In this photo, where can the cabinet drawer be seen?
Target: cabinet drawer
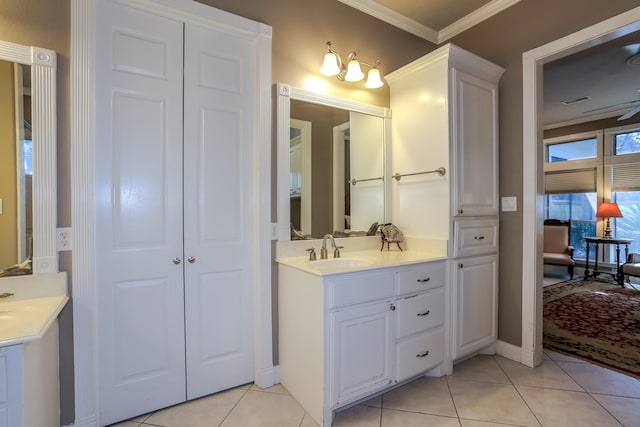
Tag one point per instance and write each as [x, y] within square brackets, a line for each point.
[475, 237]
[359, 287]
[419, 313]
[418, 354]
[420, 278]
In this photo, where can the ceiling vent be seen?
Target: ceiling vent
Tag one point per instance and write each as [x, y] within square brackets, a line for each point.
[576, 100]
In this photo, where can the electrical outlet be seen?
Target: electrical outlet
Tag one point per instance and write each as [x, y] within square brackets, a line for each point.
[64, 239]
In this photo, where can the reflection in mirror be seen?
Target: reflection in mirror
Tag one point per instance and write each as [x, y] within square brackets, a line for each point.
[331, 165]
[15, 169]
[28, 201]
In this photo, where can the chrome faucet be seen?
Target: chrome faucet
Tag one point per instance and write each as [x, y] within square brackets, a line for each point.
[323, 250]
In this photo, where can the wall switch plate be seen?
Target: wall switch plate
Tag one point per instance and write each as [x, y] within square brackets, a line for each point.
[274, 231]
[509, 204]
[64, 239]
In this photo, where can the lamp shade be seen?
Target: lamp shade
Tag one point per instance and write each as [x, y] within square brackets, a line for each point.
[354, 72]
[608, 210]
[373, 79]
[330, 65]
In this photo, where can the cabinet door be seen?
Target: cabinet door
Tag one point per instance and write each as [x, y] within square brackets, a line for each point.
[139, 212]
[476, 288]
[475, 145]
[218, 226]
[361, 351]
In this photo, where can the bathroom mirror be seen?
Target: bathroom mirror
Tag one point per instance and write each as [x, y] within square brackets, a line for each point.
[29, 219]
[331, 165]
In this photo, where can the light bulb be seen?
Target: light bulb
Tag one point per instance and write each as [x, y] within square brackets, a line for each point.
[373, 79]
[330, 65]
[354, 73]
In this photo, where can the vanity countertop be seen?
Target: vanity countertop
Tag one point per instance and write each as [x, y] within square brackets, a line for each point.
[353, 261]
[35, 304]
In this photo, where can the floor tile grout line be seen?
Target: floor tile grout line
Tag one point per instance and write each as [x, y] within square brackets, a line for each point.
[518, 391]
[559, 365]
[455, 407]
[233, 407]
[604, 408]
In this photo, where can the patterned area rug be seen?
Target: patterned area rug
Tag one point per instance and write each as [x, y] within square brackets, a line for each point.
[594, 320]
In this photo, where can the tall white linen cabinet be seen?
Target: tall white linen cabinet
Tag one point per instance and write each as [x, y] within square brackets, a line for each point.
[175, 184]
[445, 115]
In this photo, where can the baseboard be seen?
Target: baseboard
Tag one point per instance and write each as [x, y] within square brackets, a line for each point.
[87, 422]
[268, 377]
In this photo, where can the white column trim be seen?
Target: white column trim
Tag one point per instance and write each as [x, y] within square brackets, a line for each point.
[84, 291]
[45, 193]
[532, 190]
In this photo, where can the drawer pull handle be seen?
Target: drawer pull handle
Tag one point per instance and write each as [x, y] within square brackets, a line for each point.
[424, 280]
[426, 313]
[392, 307]
[425, 354]
[479, 237]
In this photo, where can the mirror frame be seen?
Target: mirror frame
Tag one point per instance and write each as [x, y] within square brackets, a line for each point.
[285, 94]
[44, 137]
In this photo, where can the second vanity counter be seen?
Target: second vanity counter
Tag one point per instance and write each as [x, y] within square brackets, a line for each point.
[364, 260]
[355, 326]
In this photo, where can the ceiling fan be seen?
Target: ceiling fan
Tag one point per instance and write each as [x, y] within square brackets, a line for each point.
[630, 113]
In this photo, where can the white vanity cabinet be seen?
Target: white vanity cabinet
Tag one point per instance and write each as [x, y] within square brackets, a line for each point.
[29, 383]
[445, 114]
[345, 337]
[11, 386]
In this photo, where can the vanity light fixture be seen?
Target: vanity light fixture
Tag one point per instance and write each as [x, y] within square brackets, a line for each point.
[332, 66]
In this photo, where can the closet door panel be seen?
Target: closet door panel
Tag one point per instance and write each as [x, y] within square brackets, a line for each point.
[218, 208]
[139, 212]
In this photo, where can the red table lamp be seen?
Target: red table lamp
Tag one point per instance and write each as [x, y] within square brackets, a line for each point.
[608, 210]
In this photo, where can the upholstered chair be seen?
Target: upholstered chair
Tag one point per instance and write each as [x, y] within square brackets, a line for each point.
[632, 266]
[557, 248]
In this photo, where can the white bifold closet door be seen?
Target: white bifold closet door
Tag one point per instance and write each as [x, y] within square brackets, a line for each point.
[174, 192]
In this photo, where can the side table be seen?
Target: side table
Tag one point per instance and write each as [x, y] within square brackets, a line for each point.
[617, 274]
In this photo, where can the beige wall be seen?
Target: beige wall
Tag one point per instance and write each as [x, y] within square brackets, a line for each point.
[300, 30]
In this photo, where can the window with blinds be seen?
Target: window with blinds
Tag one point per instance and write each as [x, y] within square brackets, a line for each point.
[583, 170]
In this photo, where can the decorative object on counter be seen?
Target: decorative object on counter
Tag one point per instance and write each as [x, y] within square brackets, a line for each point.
[20, 269]
[373, 229]
[593, 320]
[607, 211]
[389, 233]
[296, 234]
[332, 65]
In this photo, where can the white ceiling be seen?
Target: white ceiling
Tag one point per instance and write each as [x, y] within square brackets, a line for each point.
[600, 73]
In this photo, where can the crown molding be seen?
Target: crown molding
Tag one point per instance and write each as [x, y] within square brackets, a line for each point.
[371, 7]
[392, 17]
[477, 16]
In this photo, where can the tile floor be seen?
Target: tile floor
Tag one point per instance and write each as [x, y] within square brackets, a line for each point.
[482, 392]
